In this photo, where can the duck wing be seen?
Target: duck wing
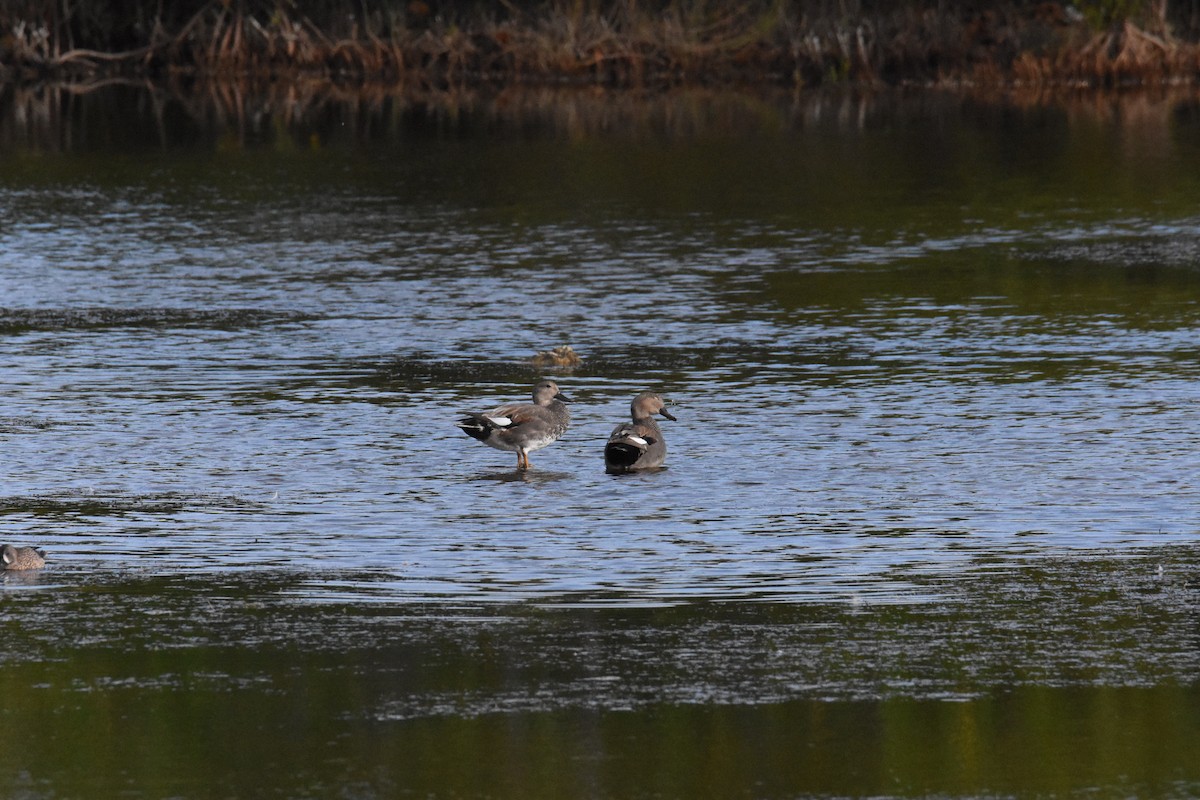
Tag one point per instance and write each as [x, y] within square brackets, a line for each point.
[628, 444]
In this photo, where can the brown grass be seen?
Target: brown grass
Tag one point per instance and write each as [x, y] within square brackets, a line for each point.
[620, 43]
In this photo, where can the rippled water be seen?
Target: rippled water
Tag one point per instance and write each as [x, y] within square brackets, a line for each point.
[934, 366]
[190, 398]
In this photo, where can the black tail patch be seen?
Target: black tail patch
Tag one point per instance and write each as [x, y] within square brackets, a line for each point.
[476, 427]
[620, 454]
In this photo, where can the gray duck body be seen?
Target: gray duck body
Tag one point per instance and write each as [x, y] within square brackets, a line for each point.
[521, 427]
[639, 444]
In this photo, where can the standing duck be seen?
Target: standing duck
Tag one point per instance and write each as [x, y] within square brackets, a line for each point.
[22, 557]
[521, 427]
[638, 444]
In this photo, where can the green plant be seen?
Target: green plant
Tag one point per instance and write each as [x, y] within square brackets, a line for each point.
[1103, 13]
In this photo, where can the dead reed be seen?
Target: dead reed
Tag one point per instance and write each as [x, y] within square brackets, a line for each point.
[614, 43]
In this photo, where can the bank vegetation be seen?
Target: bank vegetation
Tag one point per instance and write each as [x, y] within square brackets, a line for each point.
[612, 43]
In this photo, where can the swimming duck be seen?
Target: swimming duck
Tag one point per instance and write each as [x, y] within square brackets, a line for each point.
[638, 444]
[22, 557]
[521, 427]
[564, 356]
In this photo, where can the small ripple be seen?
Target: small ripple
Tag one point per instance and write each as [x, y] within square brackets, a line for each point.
[20, 320]
[25, 424]
[99, 504]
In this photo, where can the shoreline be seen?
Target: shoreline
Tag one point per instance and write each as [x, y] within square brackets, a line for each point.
[617, 46]
[309, 116]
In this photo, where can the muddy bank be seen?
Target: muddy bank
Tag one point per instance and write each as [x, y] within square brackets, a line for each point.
[613, 44]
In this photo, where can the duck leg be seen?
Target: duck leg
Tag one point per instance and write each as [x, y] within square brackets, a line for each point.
[522, 460]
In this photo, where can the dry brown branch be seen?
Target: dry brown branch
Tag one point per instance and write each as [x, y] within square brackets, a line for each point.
[97, 55]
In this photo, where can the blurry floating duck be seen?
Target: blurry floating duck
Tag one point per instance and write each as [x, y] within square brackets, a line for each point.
[22, 557]
[564, 356]
[521, 427]
[639, 444]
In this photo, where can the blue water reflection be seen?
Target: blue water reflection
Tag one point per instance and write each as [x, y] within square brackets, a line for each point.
[253, 366]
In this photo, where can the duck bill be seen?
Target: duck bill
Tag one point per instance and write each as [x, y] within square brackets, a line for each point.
[562, 398]
[668, 415]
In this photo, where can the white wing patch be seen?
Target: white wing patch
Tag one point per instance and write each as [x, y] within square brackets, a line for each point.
[502, 422]
[638, 440]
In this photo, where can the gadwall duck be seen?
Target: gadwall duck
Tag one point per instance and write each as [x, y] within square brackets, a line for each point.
[638, 444]
[521, 427]
[22, 557]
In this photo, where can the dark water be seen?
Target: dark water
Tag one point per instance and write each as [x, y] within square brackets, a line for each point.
[928, 526]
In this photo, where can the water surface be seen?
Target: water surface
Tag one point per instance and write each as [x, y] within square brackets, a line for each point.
[927, 526]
